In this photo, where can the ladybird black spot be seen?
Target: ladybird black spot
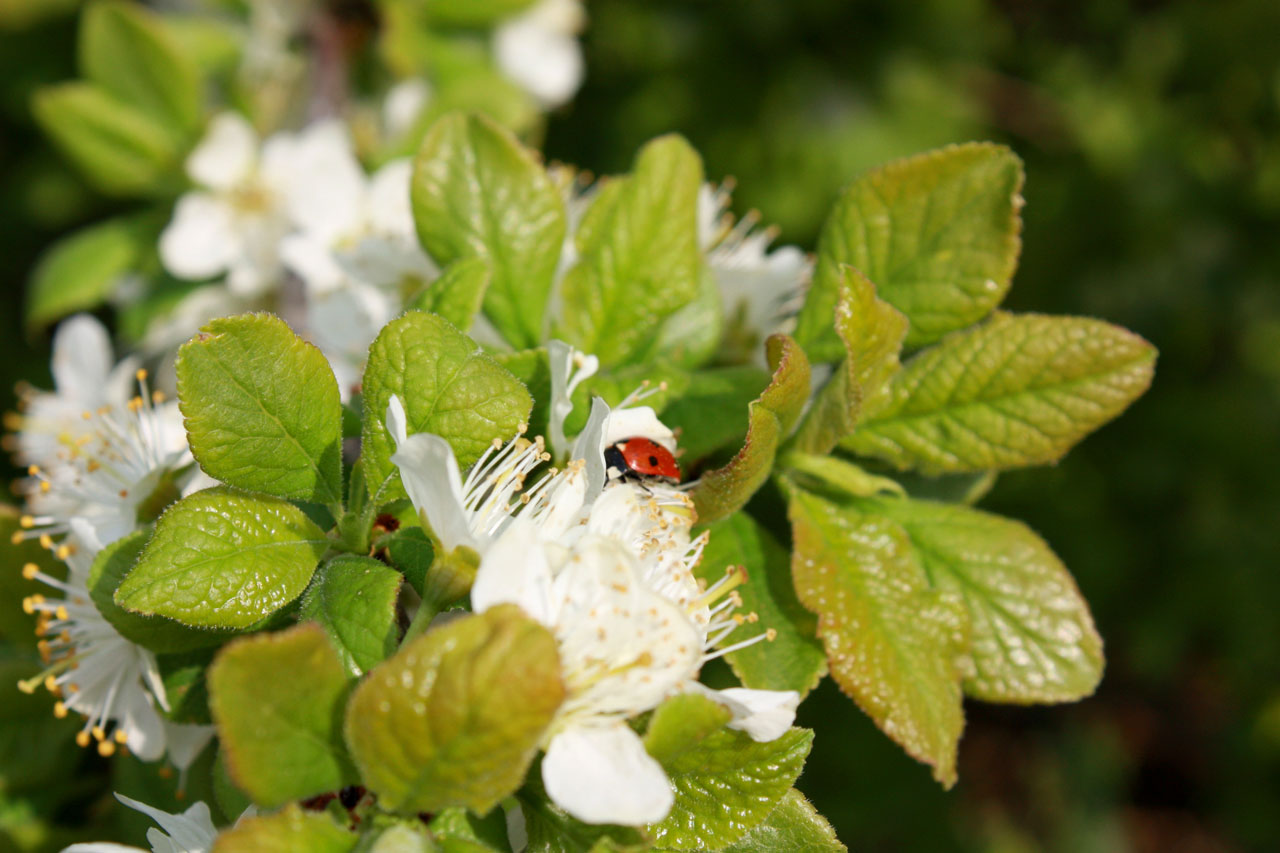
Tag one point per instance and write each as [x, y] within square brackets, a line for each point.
[653, 460]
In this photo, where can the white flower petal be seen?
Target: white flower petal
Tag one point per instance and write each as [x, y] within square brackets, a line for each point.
[765, 715]
[193, 830]
[141, 722]
[430, 475]
[405, 101]
[602, 774]
[186, 742]
[638, 422]
[312, 260]
[226, 155]
[321, 180]
[201, 240]
[81, 360]
[389, 209]
[515, 570]
[589, 447]
[397, 421]
[539, 50]
[101, 847]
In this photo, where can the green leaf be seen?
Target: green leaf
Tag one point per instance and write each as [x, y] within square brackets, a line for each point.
[840, 478]
[456, 824]
[691, 336]
[681, 723]
[937, 233]
[477, 192]
[405, 837]
[1017, 390]
[277, 700]
[639, 257]
[411, 551]
[711, 411]
[224, 559]
[79, 272]
[532, 368]
[354, 600]
[1033, 639]
[893, 644]
[793, 825]
[448, 386]
[475, 13]
[725, 782]
[871, 332]
[120, 149]
[458, 293]
[286, 831]
[128, 51]
[722, 492]
[551, 830]
[157, 633]
[455, 718]
[262, 409]
[186, 685]
[794, 659]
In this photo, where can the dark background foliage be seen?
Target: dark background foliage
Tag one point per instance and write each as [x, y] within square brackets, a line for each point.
[1150, 134]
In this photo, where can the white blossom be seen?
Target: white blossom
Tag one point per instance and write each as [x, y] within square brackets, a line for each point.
[760, 288]
[190, 832]
[539, 50]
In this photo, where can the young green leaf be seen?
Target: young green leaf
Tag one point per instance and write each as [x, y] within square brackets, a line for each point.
[639, 257]
[458, 293]
[710, 413]
[411, 552]
[448, 386]
[871, 332]
[892, 642]
[477, 192]
[277, 701]
[79, 272]
[692, 335]
[262, 409]
[722, 492]
[127, 50]
[937, 233]
[551, 830]
[725, 782]
[157, 633]
[456, 824]
[354, 600]
[794, 825]
[287, 831]
[533, 369]
[1033, 639]
[121, 150]
[455, 718]
[794, 659]
[224, 559]
[1017, 390]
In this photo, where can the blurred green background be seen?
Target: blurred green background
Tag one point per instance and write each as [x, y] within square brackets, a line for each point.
[1151, 134]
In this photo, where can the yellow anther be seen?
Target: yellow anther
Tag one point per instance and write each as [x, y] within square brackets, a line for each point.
[60, 710]
[99, 733]
[62, 613]
[26, 687]
[16, 538]
[63, 551]
[121, 737]
[45, 486]
[106, 749]
[140, 375]
[87, 415]
[157, 397]
[30, 570]
[27, 521]
[771, 635]
[46, 541]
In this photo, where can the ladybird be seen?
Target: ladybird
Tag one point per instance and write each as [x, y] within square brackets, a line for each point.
[641, 458]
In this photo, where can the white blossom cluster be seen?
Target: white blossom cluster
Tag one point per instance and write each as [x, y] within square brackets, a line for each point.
[605, 563]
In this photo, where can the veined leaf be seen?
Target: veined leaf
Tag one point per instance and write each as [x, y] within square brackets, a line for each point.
[354, 600]
[277, 701]
[794, 825]
[893, 643]
[1033, 639]
[477, 192]
[937, 233]
[224, 559]
[287, 831]
[262, 409]
[1017, 390]
[721, 492]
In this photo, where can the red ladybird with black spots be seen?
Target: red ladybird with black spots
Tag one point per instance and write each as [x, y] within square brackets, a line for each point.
[641, 459]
